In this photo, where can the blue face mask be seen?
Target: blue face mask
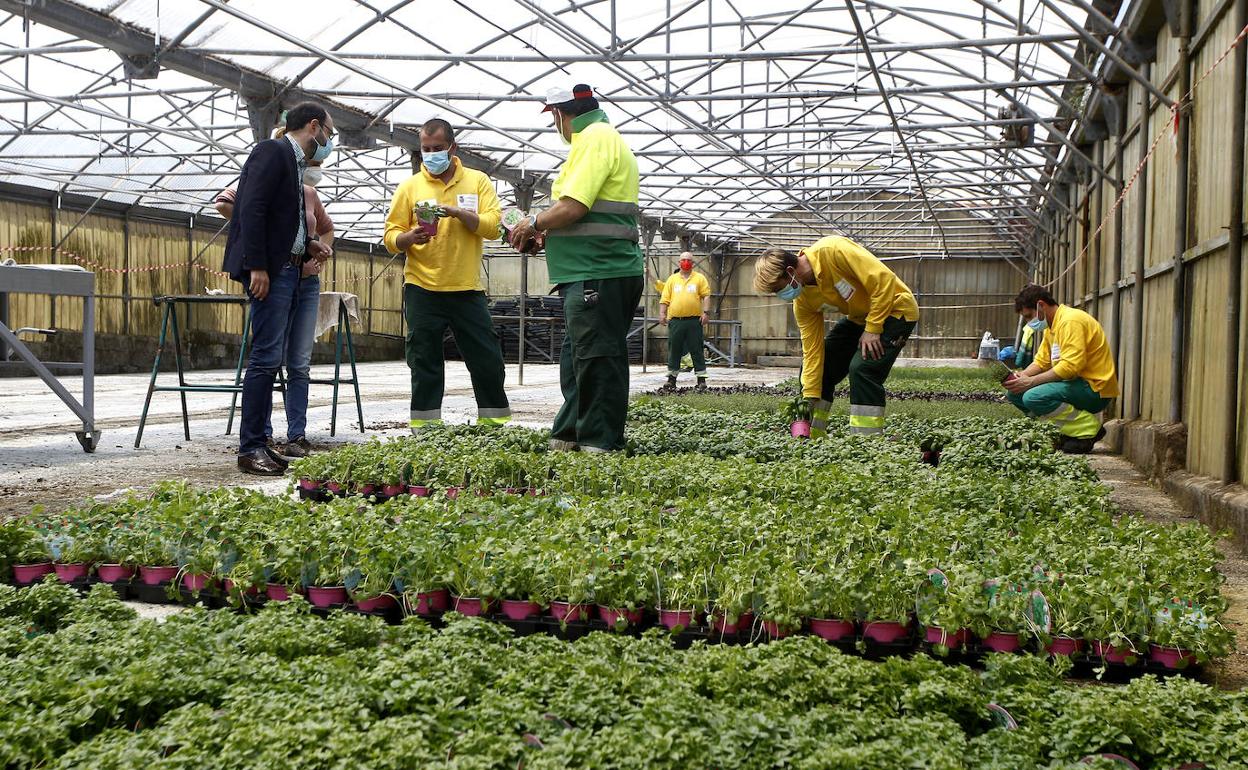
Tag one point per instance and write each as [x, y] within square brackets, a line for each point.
[436, 162]
[322, 150]
[1038, 324]
[790, 292]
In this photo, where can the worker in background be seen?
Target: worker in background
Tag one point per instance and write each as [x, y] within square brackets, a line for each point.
[1021, 357]
[298, 356]
[268, 248]
[1072, 379]
[593, 257]
[683, 309]
[442, 277]
[880, 314]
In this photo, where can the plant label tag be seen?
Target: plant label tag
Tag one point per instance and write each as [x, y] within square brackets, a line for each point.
[1038, 608]
[467, 201]
[845, 289]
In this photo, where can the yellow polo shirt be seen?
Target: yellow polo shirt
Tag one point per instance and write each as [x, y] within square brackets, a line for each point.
[684, 297]
[451, 261]
[1075, 346]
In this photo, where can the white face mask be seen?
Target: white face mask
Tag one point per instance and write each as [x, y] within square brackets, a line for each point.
[559, 127]
[312, 175]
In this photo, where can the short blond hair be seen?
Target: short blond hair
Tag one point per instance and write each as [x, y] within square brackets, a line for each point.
[771, 270]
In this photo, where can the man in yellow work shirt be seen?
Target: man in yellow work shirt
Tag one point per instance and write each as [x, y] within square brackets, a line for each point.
[838, 274]
[442, 277]
[1072, 379]
[683, 310]
[592, 255]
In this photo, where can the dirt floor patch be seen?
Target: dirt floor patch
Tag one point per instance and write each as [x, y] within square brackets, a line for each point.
[1135, 495]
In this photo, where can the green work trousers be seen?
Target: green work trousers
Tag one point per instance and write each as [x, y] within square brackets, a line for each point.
[842, 357]
[428, 315]
[684, 335]
[1071, 405]
[593, 363]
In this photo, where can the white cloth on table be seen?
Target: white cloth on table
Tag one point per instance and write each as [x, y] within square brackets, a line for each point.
[327, 310]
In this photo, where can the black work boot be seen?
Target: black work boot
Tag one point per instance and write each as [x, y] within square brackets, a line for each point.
[671, 381]
[701, 384]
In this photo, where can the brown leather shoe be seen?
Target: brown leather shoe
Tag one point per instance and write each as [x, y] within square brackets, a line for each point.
[300, 447]
[259, 463]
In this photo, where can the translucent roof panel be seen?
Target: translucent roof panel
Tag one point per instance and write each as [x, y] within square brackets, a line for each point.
[742, 113]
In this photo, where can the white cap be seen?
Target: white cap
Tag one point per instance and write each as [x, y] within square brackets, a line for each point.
[561, 95]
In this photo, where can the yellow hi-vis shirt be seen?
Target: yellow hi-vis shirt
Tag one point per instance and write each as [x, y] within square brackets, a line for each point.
[849, 279]
[684, 297]
[1074, 345]
[451, 261]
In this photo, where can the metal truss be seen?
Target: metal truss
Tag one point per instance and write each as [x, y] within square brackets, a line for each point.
[930, 126]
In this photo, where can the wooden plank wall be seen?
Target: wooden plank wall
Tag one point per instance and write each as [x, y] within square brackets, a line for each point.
[1091, 282]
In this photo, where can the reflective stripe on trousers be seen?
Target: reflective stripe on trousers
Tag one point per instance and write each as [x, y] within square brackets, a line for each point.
[866, 419]
[424, 418]
[819, 418]
[1073, 422]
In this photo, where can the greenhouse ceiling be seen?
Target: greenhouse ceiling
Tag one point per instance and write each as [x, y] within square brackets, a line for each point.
[923, 127]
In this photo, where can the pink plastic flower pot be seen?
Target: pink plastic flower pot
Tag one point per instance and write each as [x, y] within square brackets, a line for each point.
[232, 587]
[375, 604]
[521, 609]
[452, 493]
[832, 629]
[195, 581]
[367, 489]
[938, 635]
[325, 596]
[418, 490]
[566, 612]
[1171, 657]
[154, 576]
[773, 629]
[309, 485]
[674, 619]
[277, 592]
[1064, 645]
[68, 573]
[392, 490]
[25, 574]
[1113, 654]
[430, 602]
[1001, 641]
[613, 616]
[800, 429]
[430, 228]
[471, 606]
[720, 624]
[335, 488]
[114, 573]
[884, 632]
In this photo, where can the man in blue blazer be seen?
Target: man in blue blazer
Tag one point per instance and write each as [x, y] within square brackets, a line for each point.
[267, 246]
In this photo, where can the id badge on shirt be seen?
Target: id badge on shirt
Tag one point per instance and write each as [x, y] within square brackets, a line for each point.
[467, 201]
[1055, 352]
[845, 289]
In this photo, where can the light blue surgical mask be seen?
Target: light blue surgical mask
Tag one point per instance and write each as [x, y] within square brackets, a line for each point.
[436, 162]
[1038, 324]
[323, 150]
[790, 292]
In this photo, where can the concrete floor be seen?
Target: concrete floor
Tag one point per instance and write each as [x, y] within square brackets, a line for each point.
[41, 461]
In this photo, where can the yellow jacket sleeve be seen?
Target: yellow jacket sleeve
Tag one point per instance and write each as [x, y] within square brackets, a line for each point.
[704, 287]
[399, 220]
[666, 299]
[489, 211]
[810, 324]
[868, 270]
[1041, 358]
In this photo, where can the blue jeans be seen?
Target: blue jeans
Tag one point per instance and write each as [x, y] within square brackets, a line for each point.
[282, 325]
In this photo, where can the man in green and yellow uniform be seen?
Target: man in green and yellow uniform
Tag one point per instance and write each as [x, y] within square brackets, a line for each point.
[1072, 379]
[593, 257]
[442, 277]
[683, 308]
[880, 313]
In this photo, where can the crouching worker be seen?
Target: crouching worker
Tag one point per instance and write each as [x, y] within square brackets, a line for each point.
[880, 314]
[1072, 378]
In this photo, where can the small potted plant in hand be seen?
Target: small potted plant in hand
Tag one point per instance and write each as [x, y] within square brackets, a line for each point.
[798, 413]
[427, 216]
